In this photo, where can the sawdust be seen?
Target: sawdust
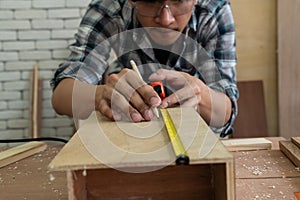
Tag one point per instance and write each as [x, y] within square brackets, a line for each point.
[51, 177]
[265, 166]
[18, 172]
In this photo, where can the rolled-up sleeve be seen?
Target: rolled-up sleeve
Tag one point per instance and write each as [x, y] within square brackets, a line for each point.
[90, 54]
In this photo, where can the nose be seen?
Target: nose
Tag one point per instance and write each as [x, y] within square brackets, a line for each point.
[165, 17]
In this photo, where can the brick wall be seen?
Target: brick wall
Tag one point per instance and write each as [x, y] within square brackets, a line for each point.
[34, 32]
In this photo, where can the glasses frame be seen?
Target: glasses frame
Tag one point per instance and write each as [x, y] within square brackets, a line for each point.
[164, 5]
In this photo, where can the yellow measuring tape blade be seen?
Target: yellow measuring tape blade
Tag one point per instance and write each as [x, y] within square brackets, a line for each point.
[179, 150]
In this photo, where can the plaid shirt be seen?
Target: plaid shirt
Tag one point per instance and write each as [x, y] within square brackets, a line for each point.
[206, 48]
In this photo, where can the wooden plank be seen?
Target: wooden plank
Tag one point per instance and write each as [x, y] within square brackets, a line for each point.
[296, 141]
[251, 120]
[288, 67]
[247, 144]
[256, 39]
[230, 180]
[291, 151]
[19, 152]
[98, 132]
[35, 103]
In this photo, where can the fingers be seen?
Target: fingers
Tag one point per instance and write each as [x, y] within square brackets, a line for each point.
[125, 95]
[105, 109]
[120, 105]
[137, 91]
[185, 96]
[186, 88]
[140, 95]
[171, 77]
[115, 106]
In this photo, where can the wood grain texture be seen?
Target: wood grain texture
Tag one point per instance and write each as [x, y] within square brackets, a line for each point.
[75, 182]
[256, 39]
[128, 175]
[263, 164]
[247, 144]
[251, 120]
[280, 178]
[265, 174]
[30, 179]
[296, 141]
[88, 144]
[291, 151]
[288, 67]
[174, 182]
[19, 152]
[274, 188]
[203, 181]
[35, 103]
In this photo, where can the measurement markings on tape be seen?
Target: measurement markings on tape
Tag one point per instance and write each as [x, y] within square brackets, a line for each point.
[179, 150]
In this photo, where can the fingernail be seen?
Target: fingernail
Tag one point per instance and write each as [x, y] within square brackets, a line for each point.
[154, 101]
[117, 117]
[136, 117]
[164, 104]
[148, 114]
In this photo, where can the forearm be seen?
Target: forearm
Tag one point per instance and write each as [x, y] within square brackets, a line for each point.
[214, 107]
[74, 98]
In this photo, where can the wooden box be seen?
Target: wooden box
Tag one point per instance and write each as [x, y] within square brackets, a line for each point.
[123, 160]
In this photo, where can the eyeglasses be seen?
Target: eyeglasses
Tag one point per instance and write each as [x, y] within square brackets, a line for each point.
[154, 8]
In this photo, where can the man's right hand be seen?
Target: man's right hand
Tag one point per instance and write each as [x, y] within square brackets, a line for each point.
[126, 96]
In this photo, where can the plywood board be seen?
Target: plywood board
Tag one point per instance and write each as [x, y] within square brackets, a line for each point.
[256, 39]
[251, 120]
[139, 144]
[288, 67]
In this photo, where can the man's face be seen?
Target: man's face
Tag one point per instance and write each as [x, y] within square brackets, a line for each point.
[169, 18]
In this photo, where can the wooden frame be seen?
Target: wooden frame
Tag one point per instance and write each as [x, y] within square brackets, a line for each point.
[172, 182]
[210, 174]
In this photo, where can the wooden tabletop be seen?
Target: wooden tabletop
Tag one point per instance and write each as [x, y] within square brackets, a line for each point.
[30, 179]
[264, 174]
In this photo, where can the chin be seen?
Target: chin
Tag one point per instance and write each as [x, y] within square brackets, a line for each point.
[165, 39]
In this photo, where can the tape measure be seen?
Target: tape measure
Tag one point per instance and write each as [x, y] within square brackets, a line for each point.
[297, 195]
[180, 153]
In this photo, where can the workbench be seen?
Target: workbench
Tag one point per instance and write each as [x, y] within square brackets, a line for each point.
[263, 174]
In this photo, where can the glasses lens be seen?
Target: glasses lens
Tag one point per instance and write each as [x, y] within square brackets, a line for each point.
[152, 9]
